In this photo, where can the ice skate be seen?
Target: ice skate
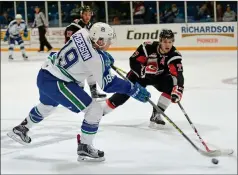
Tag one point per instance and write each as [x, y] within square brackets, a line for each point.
[156, 121]
[19, 134]
[86, 153]
[95, 93]
[10, 58]
[25, 57]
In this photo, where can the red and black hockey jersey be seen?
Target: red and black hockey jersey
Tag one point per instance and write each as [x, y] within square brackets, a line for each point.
[169, 63]
[74, 27]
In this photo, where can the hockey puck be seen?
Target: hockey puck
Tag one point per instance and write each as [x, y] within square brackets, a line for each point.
[215, 161]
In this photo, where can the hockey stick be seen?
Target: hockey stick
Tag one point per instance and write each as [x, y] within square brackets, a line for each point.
[221, 152]
[212, 153]
[124, 72]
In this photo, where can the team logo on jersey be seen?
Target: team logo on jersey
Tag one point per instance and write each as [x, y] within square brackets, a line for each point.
[82, 47]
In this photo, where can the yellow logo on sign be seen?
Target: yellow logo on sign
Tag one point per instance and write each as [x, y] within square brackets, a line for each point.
[215, 34]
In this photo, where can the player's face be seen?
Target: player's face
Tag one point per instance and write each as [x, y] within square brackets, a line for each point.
[103, 45]
[87, 16]
[166, 45]
[18, 21]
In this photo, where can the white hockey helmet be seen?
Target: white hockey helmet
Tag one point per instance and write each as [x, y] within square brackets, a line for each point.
[18, 16]
[102, 32]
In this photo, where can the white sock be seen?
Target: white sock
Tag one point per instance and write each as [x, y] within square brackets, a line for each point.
[87, 138]
[11, 49]
[164, 101]
[22, 48]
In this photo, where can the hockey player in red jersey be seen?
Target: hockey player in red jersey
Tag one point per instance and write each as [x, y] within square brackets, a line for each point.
[77, 24]
[83, 22]
[158, 64]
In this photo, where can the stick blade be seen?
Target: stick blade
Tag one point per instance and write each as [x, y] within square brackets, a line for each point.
[217, 153]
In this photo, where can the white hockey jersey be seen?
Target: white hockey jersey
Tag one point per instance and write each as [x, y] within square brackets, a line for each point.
[78, 60]
[15, 29]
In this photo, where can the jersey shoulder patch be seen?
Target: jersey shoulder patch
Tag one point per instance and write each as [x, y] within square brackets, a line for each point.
[82, 46]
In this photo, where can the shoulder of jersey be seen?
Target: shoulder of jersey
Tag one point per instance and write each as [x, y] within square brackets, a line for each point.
[83, 30]
[84, 33]
[80, 21]
[75, 24]
[22, 21]
[151, 43]
[76, 21]
[13, 22]
[151, 46]
[175, 52]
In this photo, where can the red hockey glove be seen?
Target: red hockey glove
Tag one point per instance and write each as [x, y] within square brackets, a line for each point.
[176, 94]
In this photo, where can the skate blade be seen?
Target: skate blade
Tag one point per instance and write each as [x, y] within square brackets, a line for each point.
[16, 138]
[156, 126]
[90, 159]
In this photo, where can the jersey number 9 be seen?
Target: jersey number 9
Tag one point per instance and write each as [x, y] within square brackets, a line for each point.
[69, 57]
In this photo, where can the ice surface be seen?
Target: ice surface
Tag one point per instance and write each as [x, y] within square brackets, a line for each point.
[129, 145]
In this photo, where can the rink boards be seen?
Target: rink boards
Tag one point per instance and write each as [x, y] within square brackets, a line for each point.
[191, 36]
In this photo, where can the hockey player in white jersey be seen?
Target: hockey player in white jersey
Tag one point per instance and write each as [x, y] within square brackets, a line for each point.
[13, 35]
[58, 82]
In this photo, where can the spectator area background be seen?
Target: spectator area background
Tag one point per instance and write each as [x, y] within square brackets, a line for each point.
[198, 25]
[123, 12]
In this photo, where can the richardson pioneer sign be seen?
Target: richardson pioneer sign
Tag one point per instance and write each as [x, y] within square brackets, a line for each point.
[212, 29]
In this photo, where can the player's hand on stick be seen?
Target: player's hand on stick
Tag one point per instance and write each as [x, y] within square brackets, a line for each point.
[139, 93]
[176, 94]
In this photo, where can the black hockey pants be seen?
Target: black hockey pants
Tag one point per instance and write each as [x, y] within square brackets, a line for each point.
[163, 83]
